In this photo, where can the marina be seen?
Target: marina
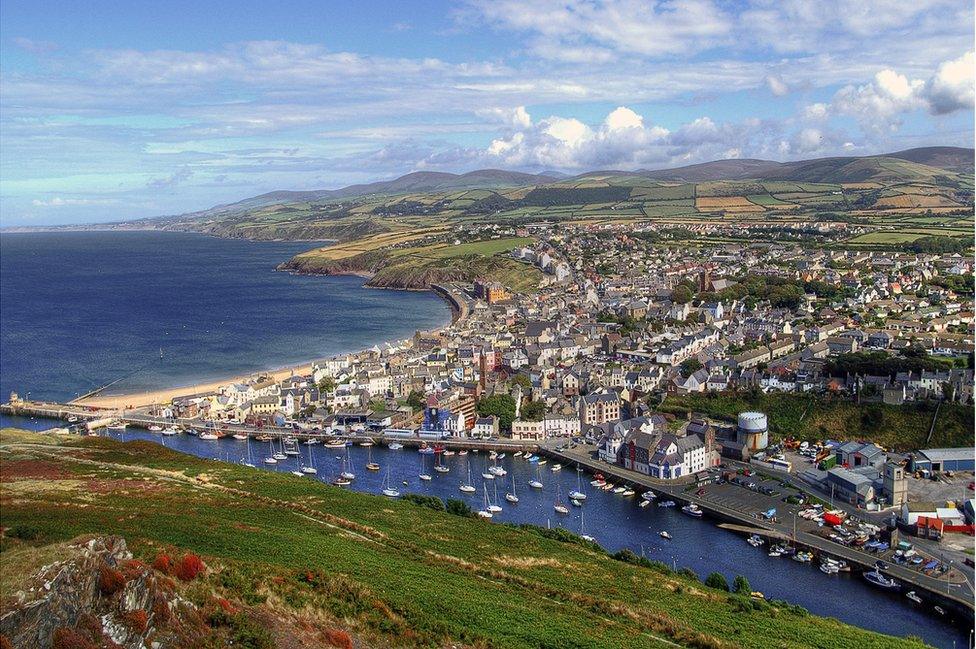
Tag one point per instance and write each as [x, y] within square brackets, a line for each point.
[616, 522]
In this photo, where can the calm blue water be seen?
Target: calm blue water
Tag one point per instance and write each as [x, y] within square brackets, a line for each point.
[81, 309]
[615, 522]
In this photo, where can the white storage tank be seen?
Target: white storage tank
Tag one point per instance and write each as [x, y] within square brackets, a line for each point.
[753, 430]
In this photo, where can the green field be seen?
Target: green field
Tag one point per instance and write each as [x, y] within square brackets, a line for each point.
[390, 572]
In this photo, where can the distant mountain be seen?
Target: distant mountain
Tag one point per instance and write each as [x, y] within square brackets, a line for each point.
[731, 169]
[943, 157]
[855, 170]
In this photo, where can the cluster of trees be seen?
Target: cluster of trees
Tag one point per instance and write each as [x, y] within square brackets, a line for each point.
[500, 405]
[878, 363]
[627, 323]
[780, 291]
[939, 244]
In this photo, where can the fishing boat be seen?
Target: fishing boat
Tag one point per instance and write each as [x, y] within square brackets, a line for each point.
[426, 477]
[558, 504]
[511, 496]
[666, 503]
[484, 512]
[803, 557]
[309, 469]
[556, 467]
[370, 465]
[692, 510]
[914, 597]
[467, 487]
[395, 446]
[664, 534]
[347, 473]
[536, 483]
[578, 493]
[755, 540]
[335, 443]
[388, 488]
[880, 580]
[494, 507]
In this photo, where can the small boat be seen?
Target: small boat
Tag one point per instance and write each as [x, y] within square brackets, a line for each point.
[575, 503]
[309, 469]
[558, 505]
[517, 454]
[239, 436]
[511, 496]
[426, 450]
[488, 476]
[426, 477]
[448, 453]
[644, 503]
[209, 436]
[583, 534]
[270, 460]
[153, 428]
[500, 456]
[169, 432]
[72, 419]
[388, 488]
[485, 512]
[440, 468]
[664, 534]
[338, 443]
[536, 483]
[289, 446]
[627, 493]
[492, 455]
[297, 473]
[347, 473]
[880, 580]
[311, 441]
[597, 483]
[775, 552]
[939, 610]
[578, 493]
[692, 510]
[609, 486]
[648, 495]
[494, 507]
[803, 557]
[463, 452]
[395, 446]
[755, 540]
[619, 490]
[467, 487]
[666, 503]
[556, 467]
[914, 597]
[370, 465]
[341, 482]
[367, 443]
[117, 425]
[541, 461]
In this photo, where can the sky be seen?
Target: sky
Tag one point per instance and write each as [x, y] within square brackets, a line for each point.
[112, 111]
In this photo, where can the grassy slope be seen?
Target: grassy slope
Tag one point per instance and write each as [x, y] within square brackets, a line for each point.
[388, 569]
[421, 266]
[810, 417]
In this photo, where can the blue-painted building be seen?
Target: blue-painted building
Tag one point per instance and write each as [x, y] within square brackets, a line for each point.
[937, 460]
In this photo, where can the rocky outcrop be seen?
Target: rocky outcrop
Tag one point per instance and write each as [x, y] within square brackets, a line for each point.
[97, 597]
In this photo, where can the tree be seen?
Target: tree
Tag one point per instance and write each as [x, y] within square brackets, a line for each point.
[500, 405]
[534, 411]
[741, 585]
[690, 366]
[717, 580]
[326, 384]
[681, 294]
[458, 508]
[523, 380]
[416, 400]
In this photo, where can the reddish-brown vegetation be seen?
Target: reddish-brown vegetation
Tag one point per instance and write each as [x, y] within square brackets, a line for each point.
[110, 580]
[162, 563]
[137, 620]
[34, 469]
[70, 639]
[132, 568]
[338, 638]
[189, 567]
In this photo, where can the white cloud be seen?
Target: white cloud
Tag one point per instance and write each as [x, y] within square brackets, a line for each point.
[623, 118]
[57, 201]
[952, 86]
[777, 86]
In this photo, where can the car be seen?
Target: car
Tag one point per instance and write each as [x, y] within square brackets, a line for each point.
[880, 565]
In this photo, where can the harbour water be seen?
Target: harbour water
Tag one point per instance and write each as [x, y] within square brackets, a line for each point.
[614, 521]
[82, 309]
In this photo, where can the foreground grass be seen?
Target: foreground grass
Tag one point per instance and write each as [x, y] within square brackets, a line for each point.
[406, 574]
[806, 416]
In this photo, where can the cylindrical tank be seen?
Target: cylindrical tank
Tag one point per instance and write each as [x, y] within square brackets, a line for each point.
[752, 432]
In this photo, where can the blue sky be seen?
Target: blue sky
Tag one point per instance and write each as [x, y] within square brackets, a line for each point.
[113, 111]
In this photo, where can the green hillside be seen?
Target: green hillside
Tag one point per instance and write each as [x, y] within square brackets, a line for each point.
[325, 561]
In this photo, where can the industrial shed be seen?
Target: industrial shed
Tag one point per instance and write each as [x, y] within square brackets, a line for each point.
[944, 459]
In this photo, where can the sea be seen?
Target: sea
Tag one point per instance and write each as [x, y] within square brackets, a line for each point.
[79, 310]
[149, 310]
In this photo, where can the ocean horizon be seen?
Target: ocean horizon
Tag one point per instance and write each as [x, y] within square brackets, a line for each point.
[156, 310]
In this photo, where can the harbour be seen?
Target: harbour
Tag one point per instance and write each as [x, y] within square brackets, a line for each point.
[615, 521]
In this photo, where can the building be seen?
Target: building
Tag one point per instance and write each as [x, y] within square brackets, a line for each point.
[490, 292]
[752, 431]
[534, 430]
[938, 460]
[485, 427]
[851, 487]
[895, 484]
[599, 408]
